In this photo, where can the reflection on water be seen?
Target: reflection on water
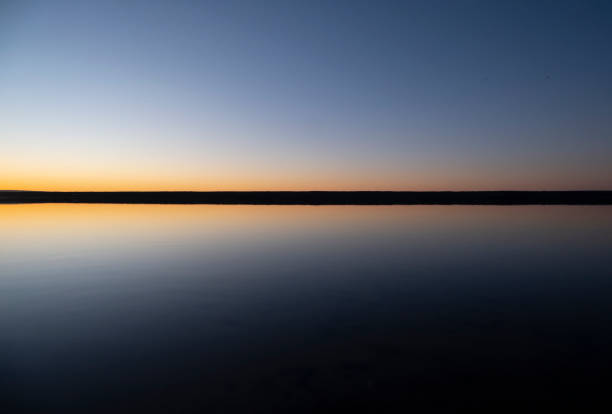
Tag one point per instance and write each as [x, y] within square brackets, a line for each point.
[286, 308]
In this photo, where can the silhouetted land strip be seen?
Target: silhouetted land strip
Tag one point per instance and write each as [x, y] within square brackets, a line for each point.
[313, 197]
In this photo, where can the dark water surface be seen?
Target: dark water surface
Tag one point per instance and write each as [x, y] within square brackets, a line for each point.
[131, 308]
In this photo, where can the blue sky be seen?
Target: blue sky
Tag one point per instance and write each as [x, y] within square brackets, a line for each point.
[305, 95]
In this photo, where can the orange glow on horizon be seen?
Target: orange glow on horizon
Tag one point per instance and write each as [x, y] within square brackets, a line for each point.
[263, 184]
[29, 175]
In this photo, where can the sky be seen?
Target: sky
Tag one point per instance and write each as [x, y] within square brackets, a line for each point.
[305, 95]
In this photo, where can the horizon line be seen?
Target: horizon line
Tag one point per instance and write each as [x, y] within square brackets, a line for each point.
[595, 197]
[307, 191]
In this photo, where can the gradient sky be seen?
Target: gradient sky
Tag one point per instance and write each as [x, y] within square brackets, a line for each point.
[263, 95]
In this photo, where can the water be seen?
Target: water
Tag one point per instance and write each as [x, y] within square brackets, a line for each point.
[144, 308]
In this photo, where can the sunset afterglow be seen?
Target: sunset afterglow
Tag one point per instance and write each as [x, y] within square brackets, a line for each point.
[303, 96]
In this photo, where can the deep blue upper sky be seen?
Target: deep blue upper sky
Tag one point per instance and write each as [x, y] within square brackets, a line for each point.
[306, 94]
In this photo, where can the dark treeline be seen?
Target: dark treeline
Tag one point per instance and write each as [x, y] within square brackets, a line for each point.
[312, 197]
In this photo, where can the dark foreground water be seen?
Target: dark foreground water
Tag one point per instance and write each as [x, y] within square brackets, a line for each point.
[131, 308]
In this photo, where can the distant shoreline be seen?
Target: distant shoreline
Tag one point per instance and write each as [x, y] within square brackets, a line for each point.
[312, 197]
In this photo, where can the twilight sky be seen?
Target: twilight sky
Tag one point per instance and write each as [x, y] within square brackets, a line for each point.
[263, 95]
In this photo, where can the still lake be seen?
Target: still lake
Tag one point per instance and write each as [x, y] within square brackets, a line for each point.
[219, 308]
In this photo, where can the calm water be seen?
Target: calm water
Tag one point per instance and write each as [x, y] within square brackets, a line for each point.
[127, 308]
